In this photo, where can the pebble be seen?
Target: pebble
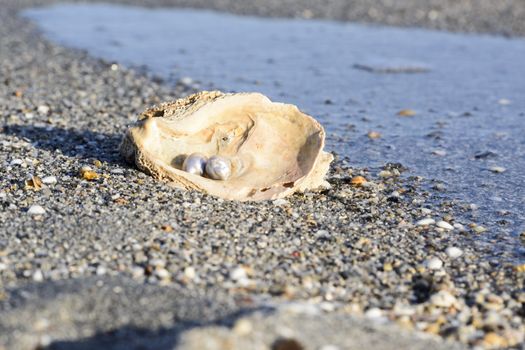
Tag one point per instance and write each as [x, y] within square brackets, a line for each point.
[358, 181]
[238, 274]
[329, 347]
[443, 298]
[243, 327]
[117, 171]
[406, 113]
[189, 272]
[162, 273]
[88, 174]
[186, 81]
[280, 202]
[439, 152]
[426, 222]
[479, 229]
[374, 313]
[49, 180]
[385, 173]
[101, 270]
[497, 169]
[444, 225]
[459, 226]
[493, 341]
[38, 276]
[36, 210]
[426, 211]
[434, 263]
[43, 109]
[453, 252]
[17, 162]
[373, 135]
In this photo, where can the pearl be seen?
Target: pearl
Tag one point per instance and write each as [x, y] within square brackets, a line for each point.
[195, 164]
[218, 168]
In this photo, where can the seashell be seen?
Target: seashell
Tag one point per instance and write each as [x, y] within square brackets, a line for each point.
[218, 168]
[195, 164]
[273, 149]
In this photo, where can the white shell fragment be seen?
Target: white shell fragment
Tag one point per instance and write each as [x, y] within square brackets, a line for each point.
[195, 164]
[36, 210]
[218, 168]
[256, 149]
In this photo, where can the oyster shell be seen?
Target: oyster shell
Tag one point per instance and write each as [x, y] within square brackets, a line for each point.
[274, 149]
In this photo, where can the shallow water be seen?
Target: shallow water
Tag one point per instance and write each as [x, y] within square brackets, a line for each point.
[468, 91]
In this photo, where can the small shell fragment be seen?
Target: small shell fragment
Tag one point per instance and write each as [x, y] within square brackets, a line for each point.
[34, 183]
[88, 174]
[358, 181]
[36, 210]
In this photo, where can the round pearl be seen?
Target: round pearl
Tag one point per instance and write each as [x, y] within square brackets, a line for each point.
[218, 168]
[195, 164]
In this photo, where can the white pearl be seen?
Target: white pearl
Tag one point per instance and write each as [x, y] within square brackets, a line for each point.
[195, 164]
[218, 168]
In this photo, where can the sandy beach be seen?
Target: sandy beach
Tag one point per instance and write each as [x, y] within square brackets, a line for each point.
[124, 261]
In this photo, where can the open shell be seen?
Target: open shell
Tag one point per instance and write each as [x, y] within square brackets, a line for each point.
[274, 148]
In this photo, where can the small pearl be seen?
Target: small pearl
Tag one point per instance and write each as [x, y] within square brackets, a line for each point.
[195, 164]
[218, 168]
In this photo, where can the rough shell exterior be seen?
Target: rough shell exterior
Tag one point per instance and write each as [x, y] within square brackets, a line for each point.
[275, 149]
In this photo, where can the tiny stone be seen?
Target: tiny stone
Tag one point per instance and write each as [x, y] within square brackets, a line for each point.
[238, 273]
[101, 270]
[384, 173]
[373, 135]
[503, 101]
[497, 169]
[36, 210]
[444, 225]
[88, 174]
[374, 313]
[186, 81]
[49, 180]
[434, 263]
[439, 152]
[242, 327]
[459, 226]
[479, 229]
[358, 181]
[38, 276]
[443, 299]
[425, 222]
[162, 273]
[189, 272]
[426, 211]
[453, 252]
[329, 347]
[280, 202]
[406, 113]
[17, 162]
[43, 109]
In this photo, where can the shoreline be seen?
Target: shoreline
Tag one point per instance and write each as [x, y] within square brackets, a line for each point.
[480, 16]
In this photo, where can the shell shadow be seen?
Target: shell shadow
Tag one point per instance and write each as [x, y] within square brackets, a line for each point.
[82, 144]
